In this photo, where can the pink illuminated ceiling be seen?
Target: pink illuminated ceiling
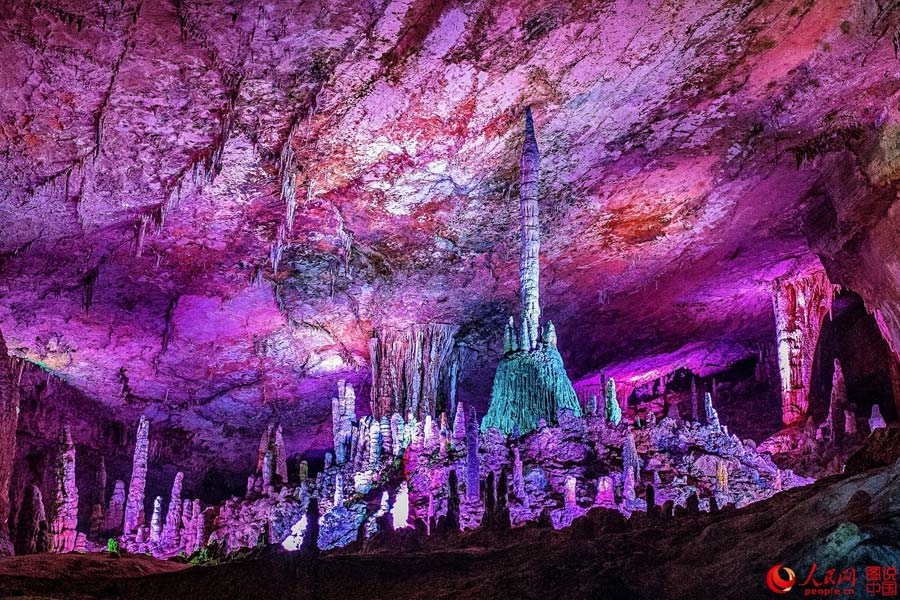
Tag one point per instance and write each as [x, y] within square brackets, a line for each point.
[670, 133]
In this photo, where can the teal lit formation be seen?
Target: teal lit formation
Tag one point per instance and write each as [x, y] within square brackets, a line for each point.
[531, 383]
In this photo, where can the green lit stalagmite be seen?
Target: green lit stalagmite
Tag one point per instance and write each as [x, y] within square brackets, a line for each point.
[531, 383]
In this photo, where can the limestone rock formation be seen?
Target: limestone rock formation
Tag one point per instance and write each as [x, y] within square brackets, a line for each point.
[172, 528]
[343, 415]
[31, 520]
[9, 417]
[801, 303]
[134, 508]
[876, 421]
[412, 370]
[613, 411]
[64, 509]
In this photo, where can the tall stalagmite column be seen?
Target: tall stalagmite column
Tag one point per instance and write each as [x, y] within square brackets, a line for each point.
[64, 520]
[801, 304]
[9, 419]
[134, 509]
[529, 259]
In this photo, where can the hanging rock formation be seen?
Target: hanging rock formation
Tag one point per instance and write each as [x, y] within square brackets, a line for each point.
[801, 304]
[413, 370]
[9, 418]
[64, 512]
[134, 509]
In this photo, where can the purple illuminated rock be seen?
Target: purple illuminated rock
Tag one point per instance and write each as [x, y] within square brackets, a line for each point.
[64, 508]
[134, 508]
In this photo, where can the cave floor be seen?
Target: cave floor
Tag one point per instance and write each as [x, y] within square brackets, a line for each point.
[845, 521]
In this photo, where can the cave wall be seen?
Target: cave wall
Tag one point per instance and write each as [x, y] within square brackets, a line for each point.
[48, 404]
[852, 335]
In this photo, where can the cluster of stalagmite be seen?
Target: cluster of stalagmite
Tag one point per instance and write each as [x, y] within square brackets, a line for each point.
[801, 304]
[271, 463]
[64, 520]
[134, 508]
[414, 370]
[531, 384]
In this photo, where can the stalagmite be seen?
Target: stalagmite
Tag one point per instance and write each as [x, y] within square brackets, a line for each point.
[630, 459]
[529, 261]
[876, 421]
[343, 414]
[605, 493]
[198, 525]
[518, 477]
[9, 419]
[396, 434]
[400, 510]
[387, 439]
[268, 471]
[156, 521]
[134, 509]
[459, 423]
[473, 480]
[408, 367]
[801, 304]
[170, 534]
[187, 531]
[64, 520]
[30, 520]
[712, 417]
[116, 507]
[264, 443]
[722, 478]
[849, 423]
[613, 410]
[375, 444]
[280, 456]
[338, 490]
[695, 401]
[834, 422]
[570, 498]
[80, 543]
[531, 383]
[591, 408]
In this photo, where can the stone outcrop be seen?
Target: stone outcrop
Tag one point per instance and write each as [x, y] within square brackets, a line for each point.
[116, 512]
[134, 508]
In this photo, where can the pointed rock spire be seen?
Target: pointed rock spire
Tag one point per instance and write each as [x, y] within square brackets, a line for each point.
[529, 262]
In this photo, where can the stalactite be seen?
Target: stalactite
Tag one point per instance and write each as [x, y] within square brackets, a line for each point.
[172, 528]
[141, 234]
[801, 304]
[9, 419]
[472, 465]
[64, 520]
[613, 410]
[408, 367]
[134, 509]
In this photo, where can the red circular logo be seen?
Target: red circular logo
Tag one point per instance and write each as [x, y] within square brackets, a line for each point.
[777, 583]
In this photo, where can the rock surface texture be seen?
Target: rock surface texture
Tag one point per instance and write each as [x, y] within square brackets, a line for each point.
[208, 208]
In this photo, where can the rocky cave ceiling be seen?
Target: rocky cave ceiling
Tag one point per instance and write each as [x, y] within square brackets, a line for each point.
[690, 153]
